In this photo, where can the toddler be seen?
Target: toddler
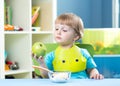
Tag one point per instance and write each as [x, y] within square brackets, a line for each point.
[67, 56]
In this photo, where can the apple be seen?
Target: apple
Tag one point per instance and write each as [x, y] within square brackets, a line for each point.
[39, 49]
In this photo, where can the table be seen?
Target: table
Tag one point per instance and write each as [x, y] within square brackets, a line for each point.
[71, 82]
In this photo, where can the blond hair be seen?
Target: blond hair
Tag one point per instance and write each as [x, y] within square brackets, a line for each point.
[73, 21]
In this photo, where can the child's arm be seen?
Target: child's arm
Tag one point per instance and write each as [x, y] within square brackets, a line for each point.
[94, 74]
[43, 73]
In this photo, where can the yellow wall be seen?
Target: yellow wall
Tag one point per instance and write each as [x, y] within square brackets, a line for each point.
[106, 36]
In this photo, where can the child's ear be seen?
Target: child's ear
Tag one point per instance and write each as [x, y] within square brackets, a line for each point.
[76, 37]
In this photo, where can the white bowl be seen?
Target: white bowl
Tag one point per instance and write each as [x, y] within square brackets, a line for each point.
[59, 76]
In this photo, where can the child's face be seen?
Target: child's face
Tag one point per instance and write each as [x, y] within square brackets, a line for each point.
[64, 34]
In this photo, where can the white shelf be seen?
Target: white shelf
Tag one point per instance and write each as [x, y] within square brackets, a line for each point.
[42, 32]
[16, 32]
[18, 44]
[1, 39]
[10, 72]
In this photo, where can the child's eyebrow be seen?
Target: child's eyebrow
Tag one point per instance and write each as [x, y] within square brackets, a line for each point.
[60, 26]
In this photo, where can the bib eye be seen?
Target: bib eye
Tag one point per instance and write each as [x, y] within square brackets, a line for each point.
[76, 60]
[63, 61]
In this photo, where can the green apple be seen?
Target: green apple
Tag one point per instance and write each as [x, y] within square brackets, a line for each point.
[39, 49]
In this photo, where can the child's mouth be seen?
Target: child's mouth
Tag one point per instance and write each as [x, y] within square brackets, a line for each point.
[58, 37]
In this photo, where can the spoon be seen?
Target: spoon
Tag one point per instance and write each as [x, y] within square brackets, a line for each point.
[40, 67]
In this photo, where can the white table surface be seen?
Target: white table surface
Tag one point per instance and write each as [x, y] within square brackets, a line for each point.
[71, 82]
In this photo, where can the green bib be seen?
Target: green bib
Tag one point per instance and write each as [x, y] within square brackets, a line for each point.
[69, 60]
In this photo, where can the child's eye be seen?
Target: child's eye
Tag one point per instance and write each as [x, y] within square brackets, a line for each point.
[65, 30]
[56, 29]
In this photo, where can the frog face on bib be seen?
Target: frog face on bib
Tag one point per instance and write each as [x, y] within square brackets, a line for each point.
[69, 60]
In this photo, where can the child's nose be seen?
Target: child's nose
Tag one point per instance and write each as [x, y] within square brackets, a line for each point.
[59, 31]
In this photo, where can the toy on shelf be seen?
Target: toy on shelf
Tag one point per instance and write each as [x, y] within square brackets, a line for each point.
[7, 14]
[8, 27]
[17, 28]
[9, 65]
[35, 15]
[12, 65]
[6, 65]
[36, 28]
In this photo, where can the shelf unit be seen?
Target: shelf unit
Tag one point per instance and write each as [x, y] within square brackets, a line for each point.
[18, 44]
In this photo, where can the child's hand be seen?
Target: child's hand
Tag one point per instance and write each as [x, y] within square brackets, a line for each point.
[38, 59]
[94, 74]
